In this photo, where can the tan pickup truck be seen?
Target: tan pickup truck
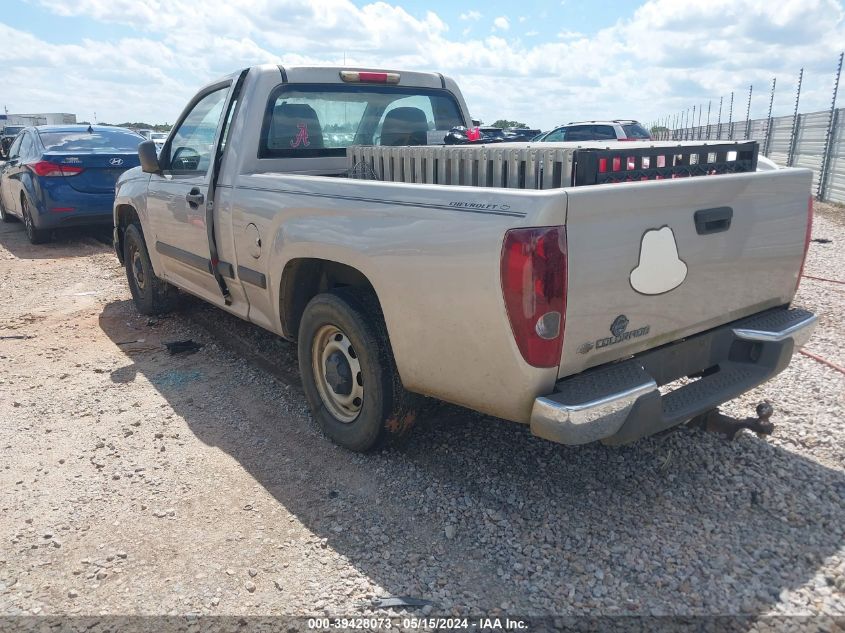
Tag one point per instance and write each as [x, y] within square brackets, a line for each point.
[560, 294]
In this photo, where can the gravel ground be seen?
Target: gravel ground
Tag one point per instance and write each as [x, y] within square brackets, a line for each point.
[134, 482]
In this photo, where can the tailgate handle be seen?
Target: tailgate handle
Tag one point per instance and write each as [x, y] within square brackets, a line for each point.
[715, 220]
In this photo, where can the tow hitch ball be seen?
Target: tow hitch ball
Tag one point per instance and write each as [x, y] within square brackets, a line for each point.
[716, 422]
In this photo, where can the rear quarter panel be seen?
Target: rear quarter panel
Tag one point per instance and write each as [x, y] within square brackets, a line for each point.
[434, 262]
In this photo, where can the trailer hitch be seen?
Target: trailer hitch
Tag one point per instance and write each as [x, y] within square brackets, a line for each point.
[717, 422]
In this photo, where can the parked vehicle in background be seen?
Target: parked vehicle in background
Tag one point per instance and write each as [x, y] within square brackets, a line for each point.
[616, 130]
[6, 137]
[495, 133]
[158, 138]
[520, 134]
[564, 306]
[64, 175]
[145, 133]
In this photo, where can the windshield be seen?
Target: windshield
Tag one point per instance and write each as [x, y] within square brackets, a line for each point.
[11, 130]
[158, 136]
[635, 130]
[97, 140]
[323, 120]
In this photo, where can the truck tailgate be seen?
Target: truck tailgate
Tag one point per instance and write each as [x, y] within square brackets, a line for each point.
[653, 262]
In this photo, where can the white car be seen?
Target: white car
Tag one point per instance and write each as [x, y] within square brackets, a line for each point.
[158, 138]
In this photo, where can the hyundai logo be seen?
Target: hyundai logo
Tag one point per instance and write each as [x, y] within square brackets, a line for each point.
[114, 162]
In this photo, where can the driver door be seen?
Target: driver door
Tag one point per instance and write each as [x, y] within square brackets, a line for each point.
[177, 199]
[9, 178]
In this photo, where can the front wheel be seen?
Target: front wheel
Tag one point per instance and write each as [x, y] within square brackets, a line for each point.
[150, 294]
[348, 373]
[34, 234]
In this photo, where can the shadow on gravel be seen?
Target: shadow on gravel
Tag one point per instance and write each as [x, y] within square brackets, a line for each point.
[70, 242]
[474, 511]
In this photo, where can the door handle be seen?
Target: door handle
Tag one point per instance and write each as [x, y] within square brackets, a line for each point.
[715, 220]
[195, 197]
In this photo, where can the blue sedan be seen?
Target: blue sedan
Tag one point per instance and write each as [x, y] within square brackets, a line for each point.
[59, 176]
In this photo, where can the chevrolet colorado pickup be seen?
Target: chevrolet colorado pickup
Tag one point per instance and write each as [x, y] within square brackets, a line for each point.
[553, 296]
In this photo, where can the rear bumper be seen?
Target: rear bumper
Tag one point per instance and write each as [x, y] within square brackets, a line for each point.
[621, 403]
[60, 205]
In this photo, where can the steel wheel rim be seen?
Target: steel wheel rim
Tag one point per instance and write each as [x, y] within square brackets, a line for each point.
[136, 264]
[331, 355]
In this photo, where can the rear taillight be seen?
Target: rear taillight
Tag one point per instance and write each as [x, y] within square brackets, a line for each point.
[807, 236]
[47, 169]
[534, 289]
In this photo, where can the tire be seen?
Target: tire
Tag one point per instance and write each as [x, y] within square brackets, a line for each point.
[344, 330]
[150, 294]
[34, 234]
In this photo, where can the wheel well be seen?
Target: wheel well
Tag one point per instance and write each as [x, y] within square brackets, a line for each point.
[126, 215]
[305, 278]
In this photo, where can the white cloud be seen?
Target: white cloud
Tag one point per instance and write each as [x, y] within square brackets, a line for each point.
[501, 23]
[470, 15]
[665, 58]
[569, 35]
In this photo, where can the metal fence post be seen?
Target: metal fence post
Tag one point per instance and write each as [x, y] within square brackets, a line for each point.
[748, 113]
[709, 103]
[692, 136]
[793, 139]
[731, 119]
[700, 108]
[828, 142]
[719, 121]
[769, 122]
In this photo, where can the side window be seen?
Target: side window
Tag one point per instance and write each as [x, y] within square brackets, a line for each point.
[192, 147]
[580, 133]
[557, 136]
[27, 146]
[604, 133]
[15, 149]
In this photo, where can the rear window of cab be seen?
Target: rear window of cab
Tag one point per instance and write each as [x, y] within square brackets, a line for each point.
[319, 120]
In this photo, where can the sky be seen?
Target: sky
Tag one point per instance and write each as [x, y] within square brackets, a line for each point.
[541, 63]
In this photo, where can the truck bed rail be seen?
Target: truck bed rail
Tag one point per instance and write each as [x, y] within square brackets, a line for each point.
[547, 165]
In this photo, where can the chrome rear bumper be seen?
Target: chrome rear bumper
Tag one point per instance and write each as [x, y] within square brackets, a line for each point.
[620, 403]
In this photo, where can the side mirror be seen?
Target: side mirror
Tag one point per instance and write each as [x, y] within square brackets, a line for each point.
[149, 157]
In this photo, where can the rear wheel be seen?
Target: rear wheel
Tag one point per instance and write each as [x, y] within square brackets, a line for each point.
[34, 234]
[348, 373]
[150, 294]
